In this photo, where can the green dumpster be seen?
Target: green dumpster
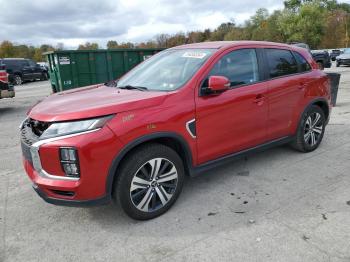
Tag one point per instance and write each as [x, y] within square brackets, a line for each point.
[75, 68]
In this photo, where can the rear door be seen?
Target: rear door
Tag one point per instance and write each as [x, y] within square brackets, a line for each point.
[27, 70]
[36, 70]
[235, 119]
[285, 91]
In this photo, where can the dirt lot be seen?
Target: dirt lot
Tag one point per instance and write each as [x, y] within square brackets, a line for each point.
[279, 205]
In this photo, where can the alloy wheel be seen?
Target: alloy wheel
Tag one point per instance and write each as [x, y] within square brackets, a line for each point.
[313, 129]
[18, 80]
[153, 184]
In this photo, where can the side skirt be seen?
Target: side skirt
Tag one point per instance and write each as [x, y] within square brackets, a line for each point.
[238, 155]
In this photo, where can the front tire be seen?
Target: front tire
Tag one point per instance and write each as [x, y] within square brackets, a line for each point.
[149, 182]
[310, 130]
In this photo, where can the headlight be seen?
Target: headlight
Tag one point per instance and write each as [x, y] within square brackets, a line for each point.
[67, 128]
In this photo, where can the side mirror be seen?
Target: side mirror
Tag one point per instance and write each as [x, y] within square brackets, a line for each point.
[219, 83]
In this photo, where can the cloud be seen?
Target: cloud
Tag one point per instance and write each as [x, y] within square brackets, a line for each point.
[76, 21]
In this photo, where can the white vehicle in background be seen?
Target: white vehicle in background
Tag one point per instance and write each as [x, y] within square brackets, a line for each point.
[344, 58]
[44, 65]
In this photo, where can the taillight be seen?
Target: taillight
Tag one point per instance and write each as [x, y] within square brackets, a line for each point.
[4, 77]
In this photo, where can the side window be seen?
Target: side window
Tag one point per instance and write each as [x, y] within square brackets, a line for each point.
[24, 63]
[31, 63]
[10, 63]
[304, 66]
[281, 62]
[240, 67]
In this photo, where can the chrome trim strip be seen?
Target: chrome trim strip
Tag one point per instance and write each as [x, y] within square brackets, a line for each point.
[188, 127]
[52, 139]
[34, 150]
[22, 123]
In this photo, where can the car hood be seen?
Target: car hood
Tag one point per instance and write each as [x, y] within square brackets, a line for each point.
[93, 101]
[344, 56]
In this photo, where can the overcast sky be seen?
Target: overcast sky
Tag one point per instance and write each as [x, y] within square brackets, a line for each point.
[76, 21]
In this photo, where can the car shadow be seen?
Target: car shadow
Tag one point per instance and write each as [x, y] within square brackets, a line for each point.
[199, 208]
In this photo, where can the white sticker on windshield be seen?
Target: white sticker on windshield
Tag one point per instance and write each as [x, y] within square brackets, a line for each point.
[198, 55]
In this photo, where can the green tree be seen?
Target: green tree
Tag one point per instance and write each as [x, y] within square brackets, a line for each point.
[7, 49]
[112, 44]
[177, 39]
[257, 25]
[88, 46]
[223, 29]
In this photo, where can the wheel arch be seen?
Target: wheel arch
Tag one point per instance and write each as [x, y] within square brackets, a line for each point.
[324, 106]
[173, 140]
[320, 102]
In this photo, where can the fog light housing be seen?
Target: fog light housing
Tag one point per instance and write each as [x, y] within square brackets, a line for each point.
[69, 161]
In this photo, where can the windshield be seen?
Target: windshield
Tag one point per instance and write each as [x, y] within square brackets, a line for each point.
[166, 71]
[347, 51]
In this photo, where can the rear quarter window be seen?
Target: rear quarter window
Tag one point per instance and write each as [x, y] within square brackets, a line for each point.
[303, 65]
[280, 62]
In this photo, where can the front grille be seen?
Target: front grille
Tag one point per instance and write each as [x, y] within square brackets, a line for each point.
[31, 131]
[38, 127]
[27, 135]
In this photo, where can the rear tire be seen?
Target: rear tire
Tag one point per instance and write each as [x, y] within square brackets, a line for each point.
[149, 181]
[43, 76]
[17, 80]
[310, 130]
[320, 65]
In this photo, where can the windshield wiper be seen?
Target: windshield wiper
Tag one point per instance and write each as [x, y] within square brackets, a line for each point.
[141, 88]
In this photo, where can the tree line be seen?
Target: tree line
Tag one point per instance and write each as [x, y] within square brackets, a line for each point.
[322, 24]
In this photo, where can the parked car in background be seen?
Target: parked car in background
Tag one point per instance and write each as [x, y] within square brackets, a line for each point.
[334, 53]
[302, 45]
[343, 59]
[322, 58]
[6, 90]
[21, 70]
[44, 65]
[132, 142]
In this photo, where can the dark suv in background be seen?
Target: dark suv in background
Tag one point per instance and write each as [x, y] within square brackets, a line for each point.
[21, 70]
[334, 54]
[322, 58]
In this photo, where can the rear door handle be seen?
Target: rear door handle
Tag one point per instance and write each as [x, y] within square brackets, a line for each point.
[259, 99]
[302, 86]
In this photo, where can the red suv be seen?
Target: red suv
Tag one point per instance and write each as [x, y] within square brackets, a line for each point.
[179, 113]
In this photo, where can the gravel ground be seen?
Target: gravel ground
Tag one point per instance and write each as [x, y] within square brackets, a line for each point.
[279, 205]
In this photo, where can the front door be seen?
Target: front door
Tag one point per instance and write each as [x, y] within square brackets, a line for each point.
[235, 119]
